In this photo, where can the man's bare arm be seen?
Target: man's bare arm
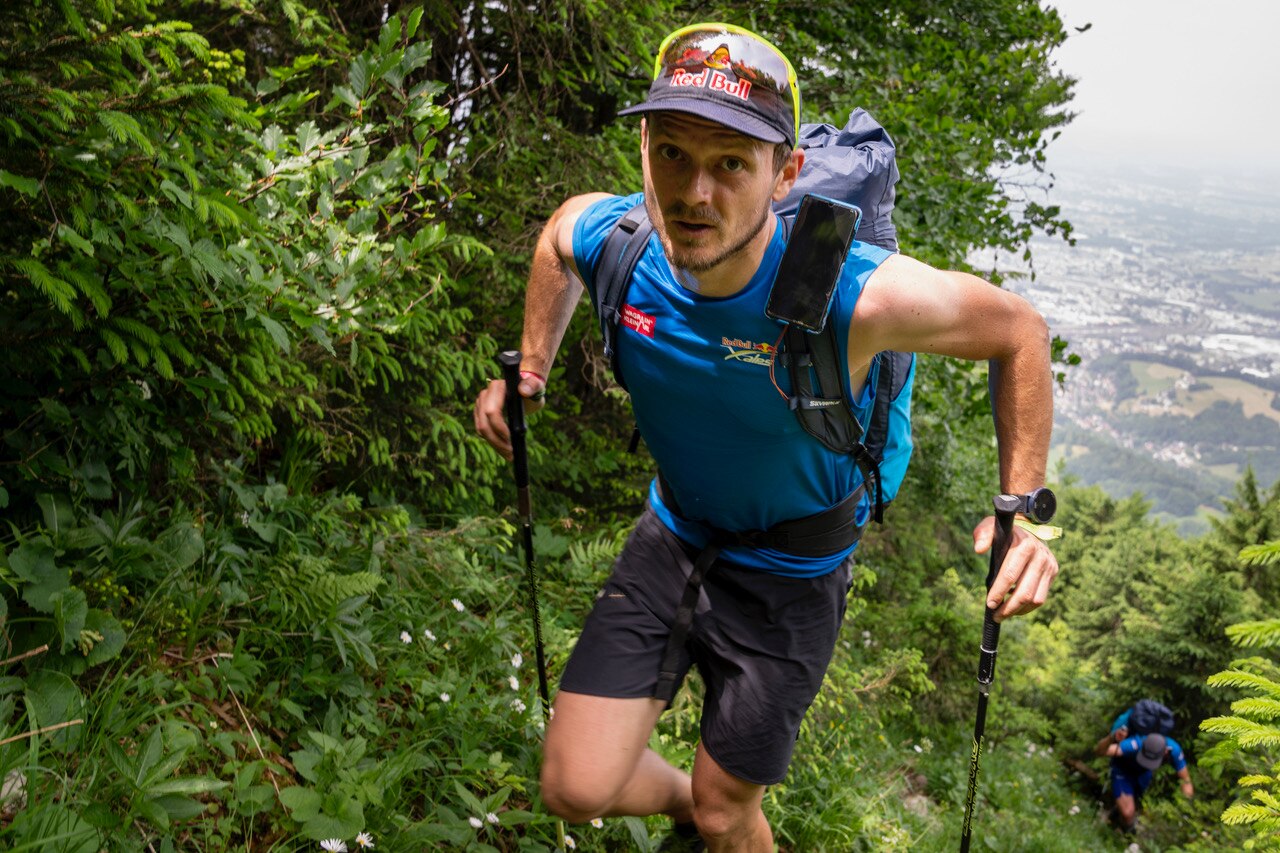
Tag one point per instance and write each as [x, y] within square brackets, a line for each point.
[910, 306]
[554, 286]
[553, 292]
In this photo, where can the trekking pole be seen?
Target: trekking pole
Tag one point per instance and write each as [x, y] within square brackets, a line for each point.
[515, 422]
[1006, 506]
[510, 360]
[1040, 506]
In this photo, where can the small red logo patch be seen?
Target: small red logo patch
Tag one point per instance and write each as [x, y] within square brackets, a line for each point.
[634, 318]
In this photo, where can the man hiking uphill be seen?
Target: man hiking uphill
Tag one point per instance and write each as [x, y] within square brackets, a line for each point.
[1136, 753]
[716, 153]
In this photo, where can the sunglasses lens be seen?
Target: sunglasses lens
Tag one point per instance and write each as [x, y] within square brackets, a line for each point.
[736, 61]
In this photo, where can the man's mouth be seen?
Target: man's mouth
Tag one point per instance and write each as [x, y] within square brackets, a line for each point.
[692, 229]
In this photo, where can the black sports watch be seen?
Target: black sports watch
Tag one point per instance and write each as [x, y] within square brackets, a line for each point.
[1039, 505]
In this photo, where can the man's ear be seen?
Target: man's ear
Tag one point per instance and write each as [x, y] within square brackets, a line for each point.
[787, 177]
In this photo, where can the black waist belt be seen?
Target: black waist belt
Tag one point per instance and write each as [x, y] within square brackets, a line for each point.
[818, 535]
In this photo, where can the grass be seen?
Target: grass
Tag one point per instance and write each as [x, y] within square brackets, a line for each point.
[254, 718]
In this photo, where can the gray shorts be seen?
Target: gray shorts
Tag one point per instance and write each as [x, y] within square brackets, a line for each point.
[761, 642]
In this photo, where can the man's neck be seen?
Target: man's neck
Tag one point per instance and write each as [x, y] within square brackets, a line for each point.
[733, 274]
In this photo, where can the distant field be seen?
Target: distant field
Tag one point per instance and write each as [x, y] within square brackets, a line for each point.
[1227, 471]
[1154, 379]
[1256, 401]
[1267, 301]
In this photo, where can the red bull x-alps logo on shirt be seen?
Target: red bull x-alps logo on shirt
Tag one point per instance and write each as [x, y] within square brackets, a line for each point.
[713, 76]
[748, 351]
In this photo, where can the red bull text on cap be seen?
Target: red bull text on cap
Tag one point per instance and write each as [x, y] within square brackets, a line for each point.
[729, 75]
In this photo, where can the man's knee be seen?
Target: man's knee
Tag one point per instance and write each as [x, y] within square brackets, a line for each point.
[724, 806]
[574, 798]
[723, 820]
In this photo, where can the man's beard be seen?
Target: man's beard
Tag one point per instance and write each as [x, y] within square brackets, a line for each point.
[686, 258]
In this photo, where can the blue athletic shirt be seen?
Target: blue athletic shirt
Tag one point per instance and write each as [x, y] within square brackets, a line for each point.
[697, 367]
[1130, 746]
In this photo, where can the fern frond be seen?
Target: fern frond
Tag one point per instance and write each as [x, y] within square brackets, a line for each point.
[1242, 813]
[1240, 678]
[1268, 799]
[1257, 708]
[1247, 732]
[1261, 555]
[175, 348]
[115, 344]
[91, 287]
[125, 128]
[136, 329]
[1265, 633]
[305, 586]
[59, 292]
[1245, 781]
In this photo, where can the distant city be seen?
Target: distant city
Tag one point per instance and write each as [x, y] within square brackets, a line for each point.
[1171, 297]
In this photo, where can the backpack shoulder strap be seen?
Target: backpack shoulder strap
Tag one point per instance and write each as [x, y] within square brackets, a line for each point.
[622, 249]
[825, 411]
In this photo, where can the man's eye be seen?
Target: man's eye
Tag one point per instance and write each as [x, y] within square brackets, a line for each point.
[668, 152]
[733, 164]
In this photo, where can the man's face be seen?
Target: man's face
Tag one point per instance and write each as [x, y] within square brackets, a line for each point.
[708, 189]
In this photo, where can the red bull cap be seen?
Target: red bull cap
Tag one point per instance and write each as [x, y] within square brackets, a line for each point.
[729, 75]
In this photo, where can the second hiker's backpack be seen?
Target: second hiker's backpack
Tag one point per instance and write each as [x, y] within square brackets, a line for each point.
[854, 164]
[1148, 716]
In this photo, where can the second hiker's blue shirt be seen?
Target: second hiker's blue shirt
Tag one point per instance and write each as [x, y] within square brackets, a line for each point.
[698, 371]
[1130, 746]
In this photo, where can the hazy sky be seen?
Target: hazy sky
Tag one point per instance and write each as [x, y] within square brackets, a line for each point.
[1182, 83]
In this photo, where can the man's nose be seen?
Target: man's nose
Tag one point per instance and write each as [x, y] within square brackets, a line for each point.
[696, 191]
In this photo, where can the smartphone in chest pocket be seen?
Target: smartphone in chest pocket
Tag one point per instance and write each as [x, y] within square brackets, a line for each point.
[811, 263]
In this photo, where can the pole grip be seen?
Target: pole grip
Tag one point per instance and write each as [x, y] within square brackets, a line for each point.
[1006, 507]
[510, 360]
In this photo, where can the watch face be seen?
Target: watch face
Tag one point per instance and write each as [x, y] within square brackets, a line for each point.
[1043, 504]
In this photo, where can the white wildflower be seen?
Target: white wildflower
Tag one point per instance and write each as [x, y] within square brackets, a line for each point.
[144, 388]
[514, 682]
[406, 637]
[597, 823]
[919, 748]
[1074, 810]
[365, 840]
[518, 705]
[475, 822]
[517, 659]
[334, 845]
[459, 606]
[426, 632]
[1133, 848]
[569, 843]
[491, 817]
[444, 697]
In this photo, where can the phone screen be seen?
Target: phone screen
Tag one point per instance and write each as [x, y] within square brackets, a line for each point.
[812, 261]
